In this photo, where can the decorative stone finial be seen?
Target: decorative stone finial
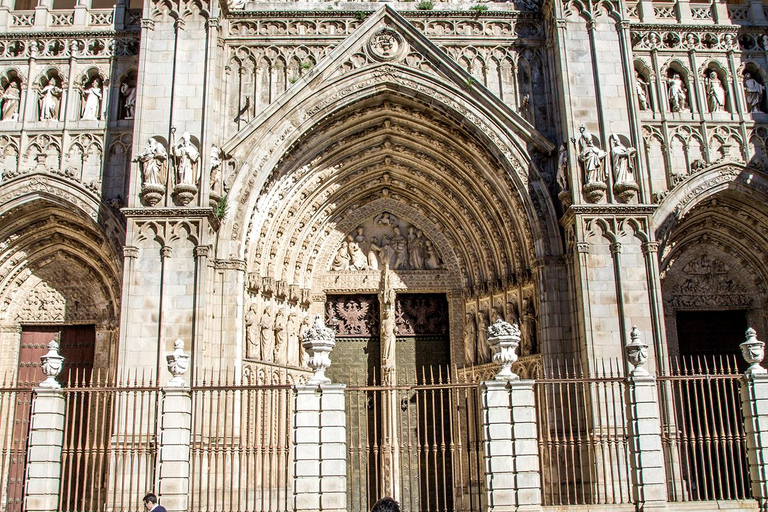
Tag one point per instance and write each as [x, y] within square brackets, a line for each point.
[753, 351]
[51, 364]
[637, 353]
[504, 339]
[319, 340]
[178, 364]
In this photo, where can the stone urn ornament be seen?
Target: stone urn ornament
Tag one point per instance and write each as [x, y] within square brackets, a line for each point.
[178, 364]
[504, 338]
[51, 364]
[753, 351]
[637, 353]
[319, 341]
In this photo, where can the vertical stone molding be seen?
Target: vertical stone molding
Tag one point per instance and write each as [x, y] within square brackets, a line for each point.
[175, 432]
[649, 477]
[320, 449]
[46, 438]
[512, 477]
[754, 405]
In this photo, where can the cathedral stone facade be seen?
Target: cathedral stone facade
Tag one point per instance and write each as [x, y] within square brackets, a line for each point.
[411, 172]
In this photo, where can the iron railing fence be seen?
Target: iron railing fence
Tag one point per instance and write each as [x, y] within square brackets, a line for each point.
[419, 441]
[15, 410]
[583, 442]
[703, 430]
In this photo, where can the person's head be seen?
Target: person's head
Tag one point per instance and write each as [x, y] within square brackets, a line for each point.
[386, 505]
[150, 500]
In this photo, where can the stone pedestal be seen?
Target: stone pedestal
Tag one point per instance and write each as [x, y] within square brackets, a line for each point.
[46, 438]
[320, 449]
[175, 431]
[649, 487]
[754, 405]
[510, 440]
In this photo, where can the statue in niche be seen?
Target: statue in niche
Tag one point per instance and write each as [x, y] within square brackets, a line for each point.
[152, 160]
[128, 93]
[513, 313]
[400, 247]
[92, 101]
[470, 338]
[187, 157]
[267, 335]
[215, 166]
[621, 156]
[357, 256]
[431, 259]
[562, 167]
[388, 330]
[591, 157]
[528, 342]
[483, 350]
[281, 337]
[715, 92]
[292, 327]
[11, 97]
[641, 89]
[50, 97]
[678, 98]
[303, 354]
[496, 314]
[753, 92]
[373, 254]
[342, 260]
[251, 336]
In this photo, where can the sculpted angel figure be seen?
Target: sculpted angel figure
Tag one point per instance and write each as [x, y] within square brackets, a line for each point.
[50, 96]
[152, 161]
[621, 158]
[187, 157]
[11, 97]
[92, 101]
[753, 91]
[715, 92]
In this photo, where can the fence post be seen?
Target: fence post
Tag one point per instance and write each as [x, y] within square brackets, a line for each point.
[649, 477]
[46, 439]
[320, 448]
[175, 433]
[512, 476]
[754, 405]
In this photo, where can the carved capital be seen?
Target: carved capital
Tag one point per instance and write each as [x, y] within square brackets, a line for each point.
[651, 247]
[130, 251]
[201, 251]
[148, 24]
[582, 247]
[166, 251]
[616, 248]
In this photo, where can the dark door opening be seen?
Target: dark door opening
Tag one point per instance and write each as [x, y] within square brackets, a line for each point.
[711, 334]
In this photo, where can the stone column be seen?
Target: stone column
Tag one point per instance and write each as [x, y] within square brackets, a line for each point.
[175, 432]
[512, 477]
[320, 449]
[46, 438]
[754, 406]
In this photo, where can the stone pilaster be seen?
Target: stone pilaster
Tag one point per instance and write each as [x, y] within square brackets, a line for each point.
[754, 405]
[649, 487]
[46, 438]
[512, 477]
[176, 424]
[320, 449]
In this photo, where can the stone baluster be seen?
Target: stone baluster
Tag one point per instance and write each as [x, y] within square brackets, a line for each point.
[754, 405]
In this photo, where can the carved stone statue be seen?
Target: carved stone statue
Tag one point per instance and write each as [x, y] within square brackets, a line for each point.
[678, 97]
[152, 160]
[528, 343]
[50, 97]
[621, 156]
[92, 101]
[373, 254]
[215, 168]
[470, 339]
[388, 336]
[591, 158]
[431, 259]
[129, 100]
[357, 256]
[715, 92]
[292, 327]
[483, 350]
[513, 312]
[252, 344]
[281, 337]
[562, 167]
[753, 92]
[342, 260]
[641, 89]
[267, 335]
[11, 97]
[187, 157]
[303, 354]
[400, 246]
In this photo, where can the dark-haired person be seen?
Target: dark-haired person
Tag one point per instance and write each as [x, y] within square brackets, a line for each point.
[386, 505]
[150, 503]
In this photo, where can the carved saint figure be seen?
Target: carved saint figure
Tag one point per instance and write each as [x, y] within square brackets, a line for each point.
[215, 166]
[483, 350]
[50, 96]
[152, 161]
[591, 158]
[303, 354]
[129, 100]
[641, 89]
[281, 337]
[562, 167]
[387, 253]
[251, 337]
[187, 157]
[470, 338]
[400, 246]
[387, 337]
[341, 260]
[431, 260]
[92, 101]
[267, 335]
[715, 92]
[11, 97]
[373, 254]
[621, 158]
[356, 254]
[678, 98]
[292, 327]
[753, 91]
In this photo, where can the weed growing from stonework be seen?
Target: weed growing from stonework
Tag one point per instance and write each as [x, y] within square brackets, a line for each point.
[306, 65]
[479, 8]
[426, 5]
[359, 15]
[221, 207]
[470, 84]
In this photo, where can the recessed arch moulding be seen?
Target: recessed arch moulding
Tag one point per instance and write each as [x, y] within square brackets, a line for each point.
[388, 143]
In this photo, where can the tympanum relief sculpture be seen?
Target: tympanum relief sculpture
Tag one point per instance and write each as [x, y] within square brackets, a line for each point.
[386, 241]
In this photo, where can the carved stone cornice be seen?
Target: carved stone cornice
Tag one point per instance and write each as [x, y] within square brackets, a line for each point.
[239, 265]
[607, 210]
[677, 27]
[172, 213]
[289, 15]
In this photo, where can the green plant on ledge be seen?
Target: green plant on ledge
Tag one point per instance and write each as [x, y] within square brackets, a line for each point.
[360, 15]
[470, 84]
[426, 5]
[306, 65]
[221, 208]
[479, 8]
